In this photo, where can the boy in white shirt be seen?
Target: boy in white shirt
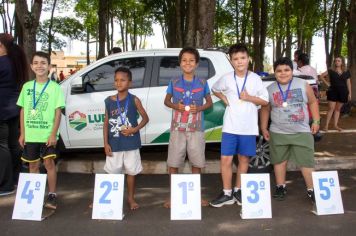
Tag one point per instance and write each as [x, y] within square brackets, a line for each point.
[241, 91]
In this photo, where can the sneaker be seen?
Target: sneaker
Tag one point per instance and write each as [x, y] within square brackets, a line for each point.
[280, 193]
[51, 201]
[8, 192]
[311, 195]
[237, 197]
[221, 200]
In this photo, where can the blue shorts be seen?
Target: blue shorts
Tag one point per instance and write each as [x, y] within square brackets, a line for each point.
[232, 144]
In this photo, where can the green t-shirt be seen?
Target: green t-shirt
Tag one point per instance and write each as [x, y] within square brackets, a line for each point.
[38, 125]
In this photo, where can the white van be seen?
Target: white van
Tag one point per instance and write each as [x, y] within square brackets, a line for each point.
[82, 121]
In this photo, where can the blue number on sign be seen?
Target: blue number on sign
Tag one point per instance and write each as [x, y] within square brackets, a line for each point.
[29, 196]
[254, 190]
[103, 199]
[322, 187]
[183, 185]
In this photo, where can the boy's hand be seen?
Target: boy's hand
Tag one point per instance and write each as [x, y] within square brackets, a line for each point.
[314, 128]
[129, 131]
[180, 107]
[194, 109]
[108, 151]
[224, 99]
[52, 141]
[244, 96]
[265, 134]
[22, 141]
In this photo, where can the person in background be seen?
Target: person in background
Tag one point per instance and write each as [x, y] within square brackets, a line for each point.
[13, 74]
[305, 68]
[61, 76]
[295, 60]
[115, 50]
[339, 91]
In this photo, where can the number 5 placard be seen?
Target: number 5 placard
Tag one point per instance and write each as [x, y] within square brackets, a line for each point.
[29, 197]
[185, 197]
[256, 196]
[108, 196]
[327, 193]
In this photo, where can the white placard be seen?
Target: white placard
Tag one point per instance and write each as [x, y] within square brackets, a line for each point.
[185, 197]
[29, 197]
[327, 193]
[108, 196]
[256, 196]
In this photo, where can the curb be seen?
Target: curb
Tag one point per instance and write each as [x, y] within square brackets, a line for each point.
[212, 166]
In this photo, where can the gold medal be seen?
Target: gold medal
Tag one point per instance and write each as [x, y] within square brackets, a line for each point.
[187, 108]
[284, 104]
[123, 127]
[240, 101]
[33, 112]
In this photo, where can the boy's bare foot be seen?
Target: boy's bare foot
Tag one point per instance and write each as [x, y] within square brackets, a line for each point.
[91, 205]
[133, 204]
[167, 203]
[204, 203]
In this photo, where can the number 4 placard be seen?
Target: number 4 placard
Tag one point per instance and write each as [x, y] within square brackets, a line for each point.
[108, 196]
[256, 196]
[185, 197]
[29, 197]
[327, 193]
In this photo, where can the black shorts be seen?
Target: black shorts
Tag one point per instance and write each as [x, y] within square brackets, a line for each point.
[34, 152]
[337, 94]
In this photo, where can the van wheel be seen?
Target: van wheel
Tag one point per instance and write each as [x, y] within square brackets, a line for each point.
[261, 163]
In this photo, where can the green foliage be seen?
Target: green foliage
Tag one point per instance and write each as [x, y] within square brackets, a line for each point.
[62, 26]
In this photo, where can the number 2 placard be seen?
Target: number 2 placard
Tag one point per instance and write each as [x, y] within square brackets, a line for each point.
[29, 197]
[108, 196]
[327, 193]
[256, 196]
[185, 197]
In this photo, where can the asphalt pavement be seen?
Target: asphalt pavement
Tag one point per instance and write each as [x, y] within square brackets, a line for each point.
[291, 217]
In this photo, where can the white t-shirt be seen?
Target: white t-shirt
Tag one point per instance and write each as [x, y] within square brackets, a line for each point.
[241, 118]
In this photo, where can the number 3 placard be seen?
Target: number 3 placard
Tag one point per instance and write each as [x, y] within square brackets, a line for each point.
[256, 196]
[185, 197]
[327, 193]
[108, 196]
[29, 197]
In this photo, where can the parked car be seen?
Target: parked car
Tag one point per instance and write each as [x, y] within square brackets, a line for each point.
[82, 120]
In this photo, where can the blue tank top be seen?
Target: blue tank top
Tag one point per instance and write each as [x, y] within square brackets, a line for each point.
[117, 141]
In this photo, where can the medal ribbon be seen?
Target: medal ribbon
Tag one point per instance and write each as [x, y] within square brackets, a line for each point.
[34, 102]
[285, 95]
[187, 98]
[237, 86]
[125, 109]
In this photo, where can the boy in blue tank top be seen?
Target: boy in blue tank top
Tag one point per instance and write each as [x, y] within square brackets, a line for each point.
[122, 140]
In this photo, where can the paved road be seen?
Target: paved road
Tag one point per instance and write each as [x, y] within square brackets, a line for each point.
[291, 217]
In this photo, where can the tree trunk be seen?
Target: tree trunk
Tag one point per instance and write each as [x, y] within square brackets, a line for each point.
[191, 23]
[237, 32]
[352, 46]
[206, 14]
[18, 36]
[288, 31]
[256, 33]
[179, 24]
[50, 36]
[29, 22]
[340, 28]
[246, 17]
[122, 34]
[102, 16]
[88, 48]
[333, 34]
[264, 15]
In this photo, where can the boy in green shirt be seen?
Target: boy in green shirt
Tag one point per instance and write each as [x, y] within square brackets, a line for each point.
[41, 101]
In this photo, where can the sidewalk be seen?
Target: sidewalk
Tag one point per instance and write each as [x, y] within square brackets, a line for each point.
[291, 217]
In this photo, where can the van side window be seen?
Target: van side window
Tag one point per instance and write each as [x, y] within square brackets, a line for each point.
[169, 68]
[102, 77]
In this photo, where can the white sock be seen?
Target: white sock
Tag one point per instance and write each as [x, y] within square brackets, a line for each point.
[281, 185]
[227, 192]
[236, 189]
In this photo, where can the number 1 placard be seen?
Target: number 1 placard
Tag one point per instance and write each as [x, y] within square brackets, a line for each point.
[327, 193]
[256, 196]
[29, 197]
[108, 196]
[185, 197]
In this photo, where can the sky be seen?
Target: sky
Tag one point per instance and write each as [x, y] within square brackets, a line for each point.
[317, 57]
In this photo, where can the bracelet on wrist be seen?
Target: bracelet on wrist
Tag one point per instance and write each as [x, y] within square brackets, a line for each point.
[316, 122]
